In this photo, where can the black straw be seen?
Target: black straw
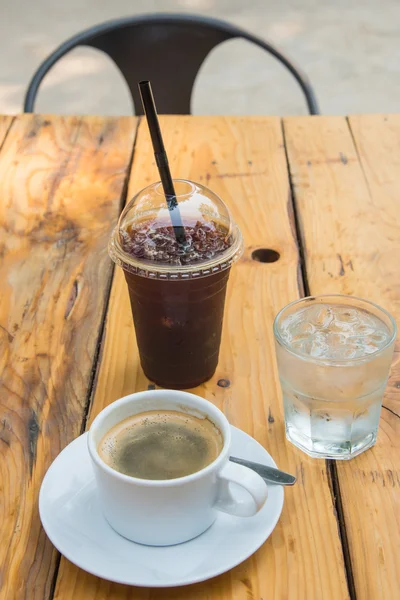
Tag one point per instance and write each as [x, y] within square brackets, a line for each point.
[162, 160]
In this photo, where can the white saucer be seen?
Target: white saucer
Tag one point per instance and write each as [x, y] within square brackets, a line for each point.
[72, 518]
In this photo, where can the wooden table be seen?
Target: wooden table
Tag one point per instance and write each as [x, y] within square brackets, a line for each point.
[324, 193]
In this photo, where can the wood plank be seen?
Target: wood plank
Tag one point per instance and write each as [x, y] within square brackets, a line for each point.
[347, 202]
[243, 160]
[61, 181]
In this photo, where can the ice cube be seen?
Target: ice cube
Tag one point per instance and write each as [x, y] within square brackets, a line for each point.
[379, 338]
[324, 317]
[334, 332]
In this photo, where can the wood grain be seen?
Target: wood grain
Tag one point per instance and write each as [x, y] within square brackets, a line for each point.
[61, 181]
[243, 160]
[347, 197]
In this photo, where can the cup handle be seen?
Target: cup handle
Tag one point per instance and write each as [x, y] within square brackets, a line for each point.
[248, 480]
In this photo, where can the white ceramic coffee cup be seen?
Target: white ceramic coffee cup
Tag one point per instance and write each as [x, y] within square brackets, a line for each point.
[167, 512]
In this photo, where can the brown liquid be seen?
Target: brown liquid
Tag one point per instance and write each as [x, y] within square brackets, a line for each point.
[178, 323]
[163, 444]
[178, 327]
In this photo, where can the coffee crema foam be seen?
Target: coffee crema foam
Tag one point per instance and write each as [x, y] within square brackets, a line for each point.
[161, 444]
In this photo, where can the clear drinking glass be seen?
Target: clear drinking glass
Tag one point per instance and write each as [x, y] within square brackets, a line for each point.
[334, 354]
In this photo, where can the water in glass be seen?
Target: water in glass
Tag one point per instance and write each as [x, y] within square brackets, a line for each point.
[334, 355]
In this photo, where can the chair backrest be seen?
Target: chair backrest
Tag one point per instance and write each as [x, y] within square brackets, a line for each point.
[167, 49]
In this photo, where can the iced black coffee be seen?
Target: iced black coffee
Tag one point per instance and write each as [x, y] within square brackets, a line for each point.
[177, 291]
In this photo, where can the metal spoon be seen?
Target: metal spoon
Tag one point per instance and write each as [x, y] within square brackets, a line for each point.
[269, 474]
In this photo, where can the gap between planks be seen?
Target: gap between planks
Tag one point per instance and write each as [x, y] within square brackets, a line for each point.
[4, 133]
[334, 485]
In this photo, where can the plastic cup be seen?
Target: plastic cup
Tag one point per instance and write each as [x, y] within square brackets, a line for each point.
[177, 308]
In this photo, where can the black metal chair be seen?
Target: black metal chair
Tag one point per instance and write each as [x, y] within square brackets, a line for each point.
[168, 49]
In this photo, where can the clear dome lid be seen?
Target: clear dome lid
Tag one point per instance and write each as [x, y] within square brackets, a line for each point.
[144, 240]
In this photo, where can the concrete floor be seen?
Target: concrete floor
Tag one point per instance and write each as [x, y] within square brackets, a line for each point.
[349, 49]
